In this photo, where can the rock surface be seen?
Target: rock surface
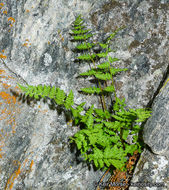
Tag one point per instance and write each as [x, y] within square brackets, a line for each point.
[34, 37]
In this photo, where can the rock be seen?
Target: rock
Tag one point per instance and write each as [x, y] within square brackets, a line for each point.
[34, 37]
[151, 172]
[156, 129]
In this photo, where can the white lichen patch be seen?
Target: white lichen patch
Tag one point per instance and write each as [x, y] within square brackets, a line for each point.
[161, 164]
[47, 59]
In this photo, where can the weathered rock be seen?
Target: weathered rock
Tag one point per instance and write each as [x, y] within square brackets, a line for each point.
[156, 129]
[153, 166]
[34, 148]
[151, 172]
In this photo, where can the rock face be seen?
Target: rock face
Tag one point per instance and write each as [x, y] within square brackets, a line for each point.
[156, 129]
[153, 165]
[35, 48]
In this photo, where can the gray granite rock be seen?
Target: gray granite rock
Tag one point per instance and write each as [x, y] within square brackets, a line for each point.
[151, 173]
[156, 129]
[34, 148]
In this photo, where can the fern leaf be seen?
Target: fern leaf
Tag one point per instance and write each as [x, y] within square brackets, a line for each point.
[118, 118]
[86, 57]
[111, 60]
[106, 76]
[117, 163]
[114, 71]
[99, 112]
[52, 92]
[82, 37]
[102, 54]
[96, 163]
[88, 73]
[85, 46]
[109, 89]
[79, 27]
[102, 114]
[23, 88]
[88, 113]
[78, 20]
[101, 163]
[91, 90]
[60, 96]
[69, 100]
[80, 31]
[30, 90]
[90, 121]
[46, 90]
[103, 45]
[98, 153]
[130, 149]
[142, 114]
[105, 65]
[125, 134]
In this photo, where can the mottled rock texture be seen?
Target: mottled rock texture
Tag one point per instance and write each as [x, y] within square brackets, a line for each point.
[34, 36]
[156, 130]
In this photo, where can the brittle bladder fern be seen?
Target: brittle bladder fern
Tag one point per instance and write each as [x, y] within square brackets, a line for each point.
[103, 137]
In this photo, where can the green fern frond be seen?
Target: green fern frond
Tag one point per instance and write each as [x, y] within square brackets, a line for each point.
[46, 90]
[102, 76]
[101, 55]
[23, 88]
[82, 37]
[80, 31]
[105, 65]
[109, 89]
[102, 114]
[88, 113]
[79, 27]
[142, 114]
[91, 90]
[86, 57]
[85, 46]
[88, 73]
[52, 92]
[90, 121]
[114, 59]
[78, 20]
[76, 113]
[69, 100]
[114, 71]
[60, 96]
[103, 45]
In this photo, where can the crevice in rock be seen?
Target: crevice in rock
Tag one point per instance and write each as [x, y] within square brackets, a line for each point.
[17, 75]
[165, 75]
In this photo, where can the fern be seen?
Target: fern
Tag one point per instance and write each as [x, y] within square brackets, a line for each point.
[91, 90]
[69, 100]
[86, 57]
[84, 46]
[102, 139]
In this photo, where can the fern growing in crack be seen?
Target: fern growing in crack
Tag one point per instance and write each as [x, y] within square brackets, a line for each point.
[103, 137]
[99, 142]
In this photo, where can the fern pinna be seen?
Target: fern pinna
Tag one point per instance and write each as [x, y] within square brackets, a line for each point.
[103, 138]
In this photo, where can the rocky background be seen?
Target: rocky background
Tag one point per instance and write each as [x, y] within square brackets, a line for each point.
[35, 48]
